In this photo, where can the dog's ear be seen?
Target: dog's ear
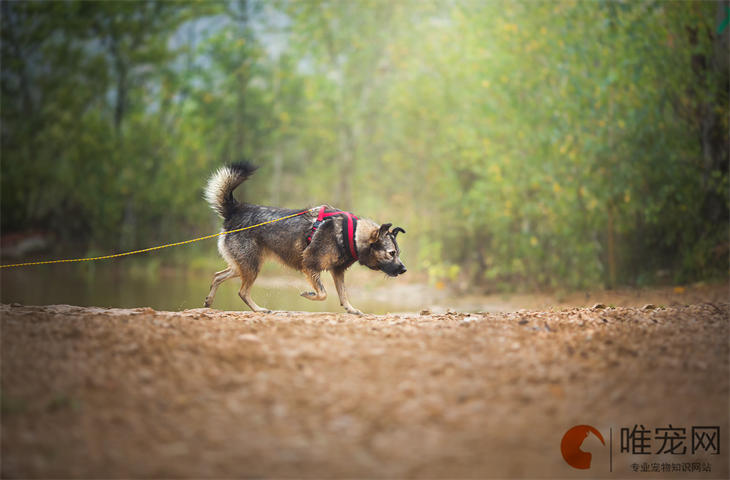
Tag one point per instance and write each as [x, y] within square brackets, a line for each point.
[384, 229]
[396, 230]
[377, 234]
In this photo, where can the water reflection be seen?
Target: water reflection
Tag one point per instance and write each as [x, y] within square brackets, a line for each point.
[112, 285]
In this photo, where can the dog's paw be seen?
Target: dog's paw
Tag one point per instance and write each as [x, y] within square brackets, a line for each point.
[207, 303]
[354, 311]
[313, 296]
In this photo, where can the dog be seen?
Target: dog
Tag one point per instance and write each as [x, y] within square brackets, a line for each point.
[319, 239]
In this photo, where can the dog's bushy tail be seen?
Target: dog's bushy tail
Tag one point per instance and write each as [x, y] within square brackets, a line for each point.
[219, 191]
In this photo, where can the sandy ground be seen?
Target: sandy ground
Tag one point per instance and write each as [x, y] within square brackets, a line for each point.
[91, 392]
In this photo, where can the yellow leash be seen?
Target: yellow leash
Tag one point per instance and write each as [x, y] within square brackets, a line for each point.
[159, 246]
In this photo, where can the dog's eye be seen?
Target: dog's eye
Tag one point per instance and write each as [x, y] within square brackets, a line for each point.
[392, 253]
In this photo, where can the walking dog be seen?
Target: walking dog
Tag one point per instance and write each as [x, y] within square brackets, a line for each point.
[326, 239]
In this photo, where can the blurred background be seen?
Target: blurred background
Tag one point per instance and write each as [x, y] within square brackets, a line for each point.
[524, 146]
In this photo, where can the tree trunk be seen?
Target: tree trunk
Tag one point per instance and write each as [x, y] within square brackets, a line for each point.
[611, 246]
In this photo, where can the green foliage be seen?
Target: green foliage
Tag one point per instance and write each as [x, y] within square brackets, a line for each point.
[529, 144]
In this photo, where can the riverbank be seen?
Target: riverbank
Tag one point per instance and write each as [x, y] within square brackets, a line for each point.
[94, 392]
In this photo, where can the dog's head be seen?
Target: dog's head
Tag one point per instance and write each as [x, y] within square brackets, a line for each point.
[381, 250]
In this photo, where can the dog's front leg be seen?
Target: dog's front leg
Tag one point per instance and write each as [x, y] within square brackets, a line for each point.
[319, 292]
[339, 277]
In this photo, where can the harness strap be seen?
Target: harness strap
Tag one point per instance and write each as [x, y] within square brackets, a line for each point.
[351, 227]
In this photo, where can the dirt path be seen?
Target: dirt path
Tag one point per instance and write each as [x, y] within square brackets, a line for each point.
[200, 393]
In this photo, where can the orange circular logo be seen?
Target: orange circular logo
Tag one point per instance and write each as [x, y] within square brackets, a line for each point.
[570, 446]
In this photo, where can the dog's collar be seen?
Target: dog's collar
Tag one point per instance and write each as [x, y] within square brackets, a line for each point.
[349, 227]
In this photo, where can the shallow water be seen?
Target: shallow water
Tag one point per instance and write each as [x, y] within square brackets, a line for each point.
[129, 285]
[112, 285]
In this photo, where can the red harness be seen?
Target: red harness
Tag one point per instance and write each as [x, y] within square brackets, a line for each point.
[351, 225]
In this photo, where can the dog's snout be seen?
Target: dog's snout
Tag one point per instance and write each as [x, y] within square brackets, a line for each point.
[402, 270]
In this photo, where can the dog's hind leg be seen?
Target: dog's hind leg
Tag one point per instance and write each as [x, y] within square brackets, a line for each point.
[339, 277]
[248, 276]
[245, 256]
[319, 292]
[219, 278]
